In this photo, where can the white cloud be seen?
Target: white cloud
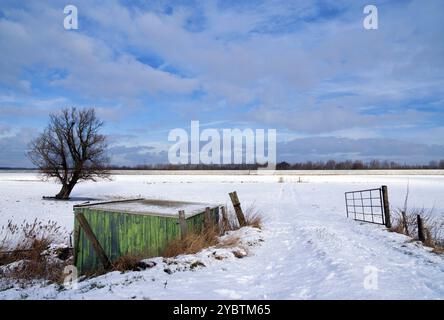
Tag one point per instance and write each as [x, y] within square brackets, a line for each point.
[94, 68]
[271, 63]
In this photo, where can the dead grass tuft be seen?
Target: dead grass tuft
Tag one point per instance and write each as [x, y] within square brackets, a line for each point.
[192, 243]
[23, 236]
[253, 218]
[130, 263]
[404, 222]
[438, 250]
[24, 251]
[33, 264]
[40, 269]
[195, 242]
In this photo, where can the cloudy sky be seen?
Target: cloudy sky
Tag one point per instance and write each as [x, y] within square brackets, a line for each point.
[331, 88]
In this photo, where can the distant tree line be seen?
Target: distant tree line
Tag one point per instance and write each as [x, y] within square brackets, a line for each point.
[308, 165]
[356, 165]
[189, 167]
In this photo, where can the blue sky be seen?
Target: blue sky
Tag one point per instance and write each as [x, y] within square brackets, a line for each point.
[332, 89]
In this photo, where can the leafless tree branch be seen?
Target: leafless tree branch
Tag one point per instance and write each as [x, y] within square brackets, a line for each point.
[71, 149]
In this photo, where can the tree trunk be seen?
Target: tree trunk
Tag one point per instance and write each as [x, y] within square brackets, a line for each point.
[65, 191]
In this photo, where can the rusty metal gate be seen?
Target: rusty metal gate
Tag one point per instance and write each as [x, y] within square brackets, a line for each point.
[366, 205]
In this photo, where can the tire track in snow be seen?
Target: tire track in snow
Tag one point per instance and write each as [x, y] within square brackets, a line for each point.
[322, 270]
[298, 272]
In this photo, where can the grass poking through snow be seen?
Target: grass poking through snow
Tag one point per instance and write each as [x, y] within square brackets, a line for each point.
[405, 222]
[195, 242]
[192, 243]
[34, 251]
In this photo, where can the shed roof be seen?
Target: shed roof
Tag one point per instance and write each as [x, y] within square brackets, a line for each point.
[149, 207]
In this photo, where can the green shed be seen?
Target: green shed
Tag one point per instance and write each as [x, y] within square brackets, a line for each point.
[105, 231]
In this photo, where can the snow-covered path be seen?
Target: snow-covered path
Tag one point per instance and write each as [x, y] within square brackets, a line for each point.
[341, 252]
[311, 250]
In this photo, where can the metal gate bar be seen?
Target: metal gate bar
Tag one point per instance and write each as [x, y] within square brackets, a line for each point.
[365, 205]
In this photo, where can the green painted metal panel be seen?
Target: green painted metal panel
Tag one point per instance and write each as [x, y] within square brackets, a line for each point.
[122, 233]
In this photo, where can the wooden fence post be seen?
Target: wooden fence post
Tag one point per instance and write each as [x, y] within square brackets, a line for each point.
[225, 223]
[420, 228]
[207, 218]
[386, 205]
[182, 224]
[95, 243]
[405, 223]
[237, 208]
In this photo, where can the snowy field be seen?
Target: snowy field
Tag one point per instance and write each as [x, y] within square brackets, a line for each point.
[310, 249]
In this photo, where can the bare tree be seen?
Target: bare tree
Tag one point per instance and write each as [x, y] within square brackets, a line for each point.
[71, 149]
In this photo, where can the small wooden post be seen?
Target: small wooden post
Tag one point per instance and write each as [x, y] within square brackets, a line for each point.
[420, 228]
[95, 243]
[182, 224]
[404, 222]
[207, 218]
[225, 223]
[237, 208]
[386, 205]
